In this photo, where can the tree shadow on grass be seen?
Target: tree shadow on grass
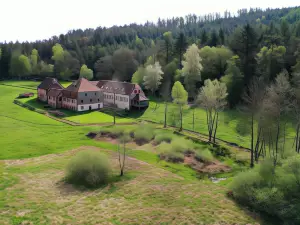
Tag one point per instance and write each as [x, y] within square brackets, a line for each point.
[66, 188]
[264, 219]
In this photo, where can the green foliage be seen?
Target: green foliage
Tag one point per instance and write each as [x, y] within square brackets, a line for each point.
[180, 47]
[88, 168]
[214, 61]
[85, 72]
[46, 69]
[34, 62]
[182, 145]
[144, 134]
[234, 81]
[204, 155]
[171, 156]
[274, 191]
[65, 64]
[163, 137]
[138, 76]
[168, 44]
[124, 64]
[25, 65]
[104, 68]
[192, 69]
[20, 64]
[271, 61]
[153, 76]
[213, 95]
[179, 94]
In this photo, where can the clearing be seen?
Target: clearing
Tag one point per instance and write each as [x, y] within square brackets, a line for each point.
[33, 190]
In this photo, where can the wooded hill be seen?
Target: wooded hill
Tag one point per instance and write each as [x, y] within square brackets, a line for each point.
[251, 43]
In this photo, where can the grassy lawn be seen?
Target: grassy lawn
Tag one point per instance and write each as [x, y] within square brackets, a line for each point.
[30, 84]
[32, 190]
[80, 117]
[233, 125]
[153, 191]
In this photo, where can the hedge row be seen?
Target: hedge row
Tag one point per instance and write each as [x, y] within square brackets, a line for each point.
[17, 102]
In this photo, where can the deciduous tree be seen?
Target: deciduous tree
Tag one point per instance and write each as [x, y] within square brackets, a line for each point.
[85, 72]
[192, 68]
[124, 64]
[168, 44]
[179, 96]
[212, 97]
[153, 76]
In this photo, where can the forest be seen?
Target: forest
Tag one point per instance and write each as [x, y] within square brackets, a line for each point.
[249, 61]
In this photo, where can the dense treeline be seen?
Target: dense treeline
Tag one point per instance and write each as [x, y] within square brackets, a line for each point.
[231, 48]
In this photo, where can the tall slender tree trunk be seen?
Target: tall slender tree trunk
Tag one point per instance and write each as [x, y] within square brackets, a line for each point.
[216, 127]
[166, 111]
[180, 129]
[297, 138]
[252, 142]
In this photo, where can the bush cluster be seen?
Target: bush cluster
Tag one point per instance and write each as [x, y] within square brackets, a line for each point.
[204, 155]
[275, 191]
[168, 154]
[88, 168]
[163, 137]
[143, 134]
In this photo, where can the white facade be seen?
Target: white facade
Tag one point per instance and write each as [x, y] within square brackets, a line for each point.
[69, 103]
[87, 107]
[122, 101]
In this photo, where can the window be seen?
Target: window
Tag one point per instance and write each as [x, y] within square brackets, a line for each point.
[95, 93]
[90, 100]
[82, 107]
[72, 100]
[85, 94]
[98, 100]
[49, 97]
[99, 106]
[81, 101]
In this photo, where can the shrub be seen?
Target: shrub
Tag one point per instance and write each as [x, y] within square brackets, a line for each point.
[144, 134]
[88, 168]
[274, 191]
[166, 153]
[204, 155]
[182, 145]
[220, 151]
[163, 137]
[113, 132]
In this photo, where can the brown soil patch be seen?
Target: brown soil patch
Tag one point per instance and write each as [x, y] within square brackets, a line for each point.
[205, 167]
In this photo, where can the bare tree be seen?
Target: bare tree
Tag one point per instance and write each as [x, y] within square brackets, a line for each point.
[276, 105]
[253, 97]
[122, 152]
[212, 97]
[166, 96]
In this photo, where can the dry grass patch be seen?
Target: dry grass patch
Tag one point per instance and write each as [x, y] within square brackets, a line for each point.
[147, 195]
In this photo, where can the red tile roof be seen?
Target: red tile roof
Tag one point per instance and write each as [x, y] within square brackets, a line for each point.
[50, 82]
[116, 87]
[82, 85]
